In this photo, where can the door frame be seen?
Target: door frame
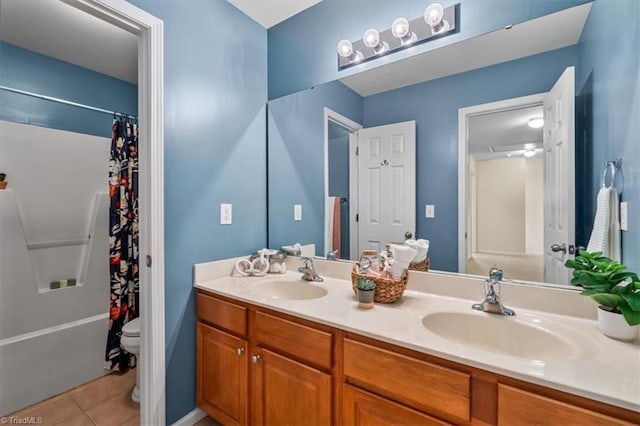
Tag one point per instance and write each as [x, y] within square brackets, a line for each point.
[463, 158]
[331, 115]
[149, 30]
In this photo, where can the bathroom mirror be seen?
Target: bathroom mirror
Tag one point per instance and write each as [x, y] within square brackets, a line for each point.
[521, 63]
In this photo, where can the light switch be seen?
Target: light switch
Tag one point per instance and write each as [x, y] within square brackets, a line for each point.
[430, 211]
[225, 214]
[297, 212]
[624, 218]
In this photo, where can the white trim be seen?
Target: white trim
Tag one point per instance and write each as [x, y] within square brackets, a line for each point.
[354, 143]
[149, 30]
[330, 115]
[191, 418]
[463, 117]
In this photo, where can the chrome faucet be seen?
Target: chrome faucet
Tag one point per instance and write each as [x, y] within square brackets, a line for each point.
[492, 303]
[308, 271]
[332, 255]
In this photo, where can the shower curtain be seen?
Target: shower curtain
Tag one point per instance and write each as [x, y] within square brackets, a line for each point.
[123, 238]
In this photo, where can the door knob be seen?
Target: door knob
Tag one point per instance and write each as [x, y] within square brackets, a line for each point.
[255, 359]
[408, 235]
[557, 247]
[239, 351]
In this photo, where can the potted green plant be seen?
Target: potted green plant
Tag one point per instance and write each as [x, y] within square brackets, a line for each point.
[366, 291]
[3, 182]
[616, 290]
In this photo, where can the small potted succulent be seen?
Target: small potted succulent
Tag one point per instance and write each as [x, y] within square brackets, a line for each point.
[366, 291]
[616, 290]
[3, 182]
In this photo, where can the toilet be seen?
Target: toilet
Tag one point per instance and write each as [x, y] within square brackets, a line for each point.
[130, 342]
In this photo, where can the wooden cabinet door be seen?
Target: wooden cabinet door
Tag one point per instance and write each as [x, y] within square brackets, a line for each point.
[286, 392]
[516, 406]
[222, 380]
[360, 408]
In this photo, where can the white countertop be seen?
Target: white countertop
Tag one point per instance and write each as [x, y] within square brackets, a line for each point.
[592, 366]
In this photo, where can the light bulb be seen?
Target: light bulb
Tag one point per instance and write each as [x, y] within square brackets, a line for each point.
[371, 38]
[345, 48]
[529, 153]
[536, 122]
[433, 14]
[400, 27]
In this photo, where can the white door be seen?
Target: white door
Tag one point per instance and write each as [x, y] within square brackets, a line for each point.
[386, 184]
[559, 180]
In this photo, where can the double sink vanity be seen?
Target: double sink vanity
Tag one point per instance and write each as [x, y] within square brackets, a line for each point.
[276, 349]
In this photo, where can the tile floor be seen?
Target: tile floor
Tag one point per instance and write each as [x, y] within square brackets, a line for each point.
[104, 401]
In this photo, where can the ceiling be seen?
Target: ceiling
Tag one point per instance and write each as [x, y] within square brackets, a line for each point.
[56, 29]
[539, 35]
[505, 131]
[271, 12]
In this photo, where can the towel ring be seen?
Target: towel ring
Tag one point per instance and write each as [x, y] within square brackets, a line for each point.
[613, 168]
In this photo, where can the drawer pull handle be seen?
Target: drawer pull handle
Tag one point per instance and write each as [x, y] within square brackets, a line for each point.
[255, 359]
[240, 351]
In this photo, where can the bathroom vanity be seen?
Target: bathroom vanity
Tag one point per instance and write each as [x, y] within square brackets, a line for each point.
[272, 349]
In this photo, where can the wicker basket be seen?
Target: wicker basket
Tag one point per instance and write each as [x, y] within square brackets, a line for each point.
[387, 290]
[422, 266]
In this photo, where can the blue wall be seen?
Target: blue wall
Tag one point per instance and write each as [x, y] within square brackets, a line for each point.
[302, 49]
[215, 73]
[609, 74]
[26, 70]
[434, 105]
[296, 165]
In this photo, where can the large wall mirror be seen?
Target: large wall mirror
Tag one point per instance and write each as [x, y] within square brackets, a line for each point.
[464, 116]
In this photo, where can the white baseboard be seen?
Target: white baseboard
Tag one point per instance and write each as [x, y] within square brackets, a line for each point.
[191, 418]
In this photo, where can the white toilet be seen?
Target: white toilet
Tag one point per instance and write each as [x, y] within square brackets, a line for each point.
[130, 342]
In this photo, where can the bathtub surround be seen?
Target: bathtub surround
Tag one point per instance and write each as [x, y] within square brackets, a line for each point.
[124, 255]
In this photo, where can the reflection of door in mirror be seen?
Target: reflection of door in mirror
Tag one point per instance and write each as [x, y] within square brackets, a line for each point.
[386, 184]
[518, 204]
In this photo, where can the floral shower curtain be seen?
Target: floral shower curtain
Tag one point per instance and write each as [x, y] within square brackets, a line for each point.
[123, 237]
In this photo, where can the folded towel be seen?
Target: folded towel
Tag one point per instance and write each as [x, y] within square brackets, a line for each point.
[62, 283]
[605, 236]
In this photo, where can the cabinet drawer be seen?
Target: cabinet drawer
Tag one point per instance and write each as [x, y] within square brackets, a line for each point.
[294, 339]
[514, 407]
[422, 385]
[364, 409]
[222, 314]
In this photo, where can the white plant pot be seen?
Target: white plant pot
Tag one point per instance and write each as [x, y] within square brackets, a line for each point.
[614, 325]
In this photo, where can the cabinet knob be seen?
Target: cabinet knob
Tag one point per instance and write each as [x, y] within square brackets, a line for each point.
[240, 351]
[255, 359]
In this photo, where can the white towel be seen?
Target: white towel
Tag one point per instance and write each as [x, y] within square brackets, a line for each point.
[328, 213]
[605, 236]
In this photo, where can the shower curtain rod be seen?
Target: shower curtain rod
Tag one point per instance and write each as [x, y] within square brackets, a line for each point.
[64, 101]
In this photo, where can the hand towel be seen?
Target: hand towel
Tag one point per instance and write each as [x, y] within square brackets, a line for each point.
[605, 236]
[336, 226]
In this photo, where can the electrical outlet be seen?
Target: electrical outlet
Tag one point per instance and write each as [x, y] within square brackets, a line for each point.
[624, 218]
[225, 214]
[297, 212]
[430, 211]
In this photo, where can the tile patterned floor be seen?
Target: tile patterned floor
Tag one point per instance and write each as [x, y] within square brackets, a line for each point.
[104, 401]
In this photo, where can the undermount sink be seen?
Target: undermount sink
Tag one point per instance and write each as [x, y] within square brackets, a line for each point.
[504, 335]
[288, 290]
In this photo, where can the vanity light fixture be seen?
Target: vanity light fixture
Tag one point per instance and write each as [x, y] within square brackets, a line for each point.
[400, 30]
[536, 122]
[371, 39]
[437, 21]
